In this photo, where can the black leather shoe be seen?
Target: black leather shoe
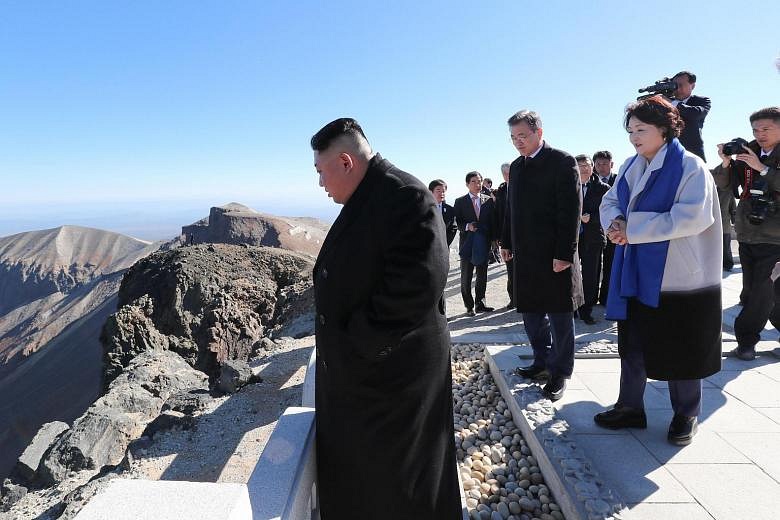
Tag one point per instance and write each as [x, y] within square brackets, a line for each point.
[682, 430]
[621, 417]
[589, 320]
[745, 354]
[510, 305]
[484, 308]
[470, 312]
[533, 372]
[554, 388]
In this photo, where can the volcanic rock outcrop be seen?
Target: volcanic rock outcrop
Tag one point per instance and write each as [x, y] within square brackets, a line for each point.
[208, 303]
[238, 224]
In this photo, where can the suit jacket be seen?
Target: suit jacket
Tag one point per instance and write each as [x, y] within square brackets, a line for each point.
[450, 227]
[383, 355]
[475, 245]
[542, 224]
[609, 181]
[693, 113]
[592, 233]
[501, 201]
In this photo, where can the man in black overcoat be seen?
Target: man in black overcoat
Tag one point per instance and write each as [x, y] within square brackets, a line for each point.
[602, 163]
[475, 216]
[592, 238]
[439, 189]
[383, 391]
[541, 236]
[501, 201]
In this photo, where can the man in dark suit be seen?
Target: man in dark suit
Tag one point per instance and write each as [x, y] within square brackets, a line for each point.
[592, 237]
[543, 221]
[693, 110]
[475, 216]
[439, 189]
[602, 163]
[500, 195]
[383, 381]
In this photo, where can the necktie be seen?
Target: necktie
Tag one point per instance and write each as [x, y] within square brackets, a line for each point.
[476, 206]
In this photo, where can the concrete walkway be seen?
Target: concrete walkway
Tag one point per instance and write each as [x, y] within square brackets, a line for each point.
[731, 470]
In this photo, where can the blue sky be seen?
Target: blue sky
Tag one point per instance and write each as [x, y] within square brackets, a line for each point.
[139, 116]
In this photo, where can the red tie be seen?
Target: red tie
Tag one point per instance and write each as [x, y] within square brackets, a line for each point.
[476, 206]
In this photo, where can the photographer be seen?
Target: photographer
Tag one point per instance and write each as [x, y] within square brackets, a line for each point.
[753, 176]
[692, 109]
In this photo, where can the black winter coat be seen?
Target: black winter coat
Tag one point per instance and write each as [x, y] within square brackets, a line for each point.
[385, 437]
[542, 224]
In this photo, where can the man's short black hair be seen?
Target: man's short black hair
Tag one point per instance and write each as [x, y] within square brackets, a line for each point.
[602, 154]
[583, 158]
[487, 180]
[772, 113]
[435, 183]
[690, 75]
[322, 140]
[529, 117]
[471, 175]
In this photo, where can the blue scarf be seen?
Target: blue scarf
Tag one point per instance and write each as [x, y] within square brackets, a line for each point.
[638, 269]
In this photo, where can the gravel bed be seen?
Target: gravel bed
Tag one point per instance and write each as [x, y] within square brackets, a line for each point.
[501, 478]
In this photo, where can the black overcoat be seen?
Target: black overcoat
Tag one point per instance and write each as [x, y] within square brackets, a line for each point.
[542, 223]
[385, 438]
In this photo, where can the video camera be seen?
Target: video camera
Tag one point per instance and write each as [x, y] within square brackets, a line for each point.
[665, 87]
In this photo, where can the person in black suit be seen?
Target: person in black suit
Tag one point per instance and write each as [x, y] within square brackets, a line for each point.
[592, 237]
[383, 377]
[439, 189]
[693, 110]
[540, 235]
[500, 195]
[475, 216]
[602, 163]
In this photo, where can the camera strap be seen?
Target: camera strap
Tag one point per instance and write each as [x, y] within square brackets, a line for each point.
[749, 173]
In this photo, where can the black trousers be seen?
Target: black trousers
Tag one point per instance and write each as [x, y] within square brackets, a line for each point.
[510, 279]
[466, 274]
[590, 258]
[728, 256]
[761, 296]
[609, 253]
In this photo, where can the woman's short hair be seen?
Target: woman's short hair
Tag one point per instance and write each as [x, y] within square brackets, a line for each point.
[658, 112]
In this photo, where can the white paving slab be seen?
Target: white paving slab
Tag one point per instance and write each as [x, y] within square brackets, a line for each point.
[772, 413]
[750, 387]
[722, 412]
[631, 470]
[761, 448]
[708, 446]
[731, 491]
[657, 511]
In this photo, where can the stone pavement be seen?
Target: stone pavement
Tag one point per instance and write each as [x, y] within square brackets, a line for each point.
[731, 470]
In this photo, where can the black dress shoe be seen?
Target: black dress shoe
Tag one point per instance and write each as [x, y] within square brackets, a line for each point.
[510, 305]
[621, 417]
[484, 308]
[470, 312]
[682, 430]
[745, 354]
[589, 320]
[532, 372]
[554, 388]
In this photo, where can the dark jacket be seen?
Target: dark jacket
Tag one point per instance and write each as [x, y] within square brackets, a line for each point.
[383, 381]
[501, 201]
[592, 232]
[693, 113]
[450, 227]
[734, 178]
[542, 224]
[475, 245]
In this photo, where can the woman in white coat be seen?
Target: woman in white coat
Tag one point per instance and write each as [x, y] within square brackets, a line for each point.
[665, 282]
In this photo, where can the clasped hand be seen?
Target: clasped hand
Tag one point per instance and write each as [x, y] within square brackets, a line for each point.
[616, 232]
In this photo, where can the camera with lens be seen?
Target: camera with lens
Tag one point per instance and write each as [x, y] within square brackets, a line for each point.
[762, 203]
[665, 86]
[734, 146]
